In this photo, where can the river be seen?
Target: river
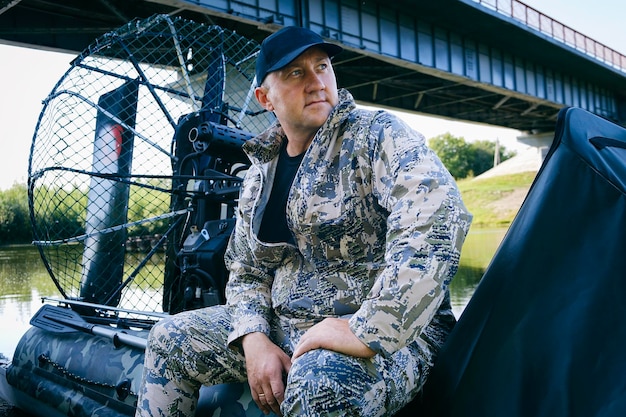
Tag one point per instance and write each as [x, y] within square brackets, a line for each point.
[24, 280]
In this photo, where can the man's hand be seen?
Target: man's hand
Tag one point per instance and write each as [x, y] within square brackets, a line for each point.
[266, 365]
[332, 334]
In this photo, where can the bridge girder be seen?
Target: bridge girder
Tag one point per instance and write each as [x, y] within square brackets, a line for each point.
[452, 58]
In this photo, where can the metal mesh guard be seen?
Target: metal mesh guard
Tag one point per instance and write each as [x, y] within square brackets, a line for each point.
[100, 169]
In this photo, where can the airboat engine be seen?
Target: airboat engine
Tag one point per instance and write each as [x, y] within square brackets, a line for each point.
[209, 161]
[200, 258]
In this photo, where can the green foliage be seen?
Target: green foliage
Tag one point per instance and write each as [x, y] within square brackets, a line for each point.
[454, 153]
[466, 159]
[147, 202]
[14, 217]
[60, 212]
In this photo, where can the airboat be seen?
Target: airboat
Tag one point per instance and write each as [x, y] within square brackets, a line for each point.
[134, 173]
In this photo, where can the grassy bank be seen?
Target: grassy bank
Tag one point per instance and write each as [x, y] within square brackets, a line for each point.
[494, 202]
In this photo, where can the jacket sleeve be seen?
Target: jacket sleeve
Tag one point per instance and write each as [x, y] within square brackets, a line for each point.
[248, 295]
[426, 227]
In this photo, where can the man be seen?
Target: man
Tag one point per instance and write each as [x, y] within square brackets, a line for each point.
[349, 230]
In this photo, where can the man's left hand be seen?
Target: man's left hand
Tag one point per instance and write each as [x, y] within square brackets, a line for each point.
[332, 334]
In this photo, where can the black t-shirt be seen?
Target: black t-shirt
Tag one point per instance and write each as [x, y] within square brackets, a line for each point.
[274, 223]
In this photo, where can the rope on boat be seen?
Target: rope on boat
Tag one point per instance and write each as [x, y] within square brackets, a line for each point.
[122, 389]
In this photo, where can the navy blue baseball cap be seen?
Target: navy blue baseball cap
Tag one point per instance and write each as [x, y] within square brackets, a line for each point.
[282, 47]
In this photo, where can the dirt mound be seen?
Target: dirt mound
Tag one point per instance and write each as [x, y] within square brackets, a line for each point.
[509, 203]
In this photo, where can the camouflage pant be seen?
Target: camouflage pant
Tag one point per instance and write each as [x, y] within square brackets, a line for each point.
[189, 350]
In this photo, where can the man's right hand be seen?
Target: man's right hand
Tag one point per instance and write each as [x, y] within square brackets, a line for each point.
[266, 365]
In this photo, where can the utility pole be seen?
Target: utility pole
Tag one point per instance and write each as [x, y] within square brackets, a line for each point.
[496, 154]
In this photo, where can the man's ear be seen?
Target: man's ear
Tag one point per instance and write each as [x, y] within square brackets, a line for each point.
[261, 96]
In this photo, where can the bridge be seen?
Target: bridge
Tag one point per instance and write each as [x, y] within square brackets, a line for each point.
[497, 62]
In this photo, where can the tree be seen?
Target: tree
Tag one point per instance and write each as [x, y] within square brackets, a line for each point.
[466, 159]
[14, 217]
[454, 152]
[484, 151]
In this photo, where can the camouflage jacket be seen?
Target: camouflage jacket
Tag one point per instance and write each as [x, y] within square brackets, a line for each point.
[378, 224]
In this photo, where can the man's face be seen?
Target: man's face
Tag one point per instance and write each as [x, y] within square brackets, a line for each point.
[302, 94]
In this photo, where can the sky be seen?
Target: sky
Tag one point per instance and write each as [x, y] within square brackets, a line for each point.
[27, 76]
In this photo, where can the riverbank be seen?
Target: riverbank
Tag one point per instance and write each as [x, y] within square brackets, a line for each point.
[495, 201]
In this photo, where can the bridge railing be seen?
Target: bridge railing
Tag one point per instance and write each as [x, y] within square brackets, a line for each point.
[547, 25]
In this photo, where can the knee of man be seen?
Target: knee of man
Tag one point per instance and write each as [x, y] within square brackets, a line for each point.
[321, 381]
[164, 333]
